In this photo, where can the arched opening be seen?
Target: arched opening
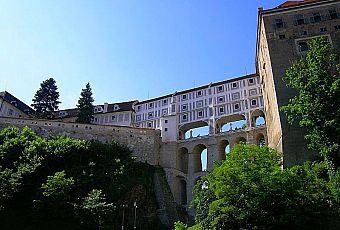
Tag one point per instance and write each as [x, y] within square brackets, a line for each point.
[224, 149]
[229, 123]
[182, 159]
[260, 140]
[257, 118]
[200, 158]
[194, 129]
[183, 192]
[240, 140]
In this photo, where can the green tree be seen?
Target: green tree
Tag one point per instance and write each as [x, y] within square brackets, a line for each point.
[316, 79]
[85, 105]
[45, 100]
[249, 190]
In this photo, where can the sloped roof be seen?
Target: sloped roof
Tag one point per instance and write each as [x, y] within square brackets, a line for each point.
[296, 3]
[6, 96]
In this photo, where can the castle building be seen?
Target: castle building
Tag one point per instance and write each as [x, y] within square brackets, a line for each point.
[11, 106]
[282, 38]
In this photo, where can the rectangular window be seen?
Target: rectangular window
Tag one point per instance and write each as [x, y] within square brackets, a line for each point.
[235, 96]
[151, 105]
[200, 113]
[251, 81]
[166, 129]
[166, 121]
[323, 29]
[199, 94]
[221, 99]
[138, 117]
[282, 36]
[113, 117]
[199, 104]
[337, 27]
[150, 115]
[185, 107]
[316, 17]
[149, 124]
[253, 102]
[221, 110]
[303, 33]
[299, 19]
[165, 111]
[333, 14]
[139, 107]
[165, 101]
[184, 117]
[220, 89]
[234, 85]
[279, 23]
[184, 97]
[236, 106]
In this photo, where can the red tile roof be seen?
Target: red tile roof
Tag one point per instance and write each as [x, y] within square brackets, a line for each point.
[296, 3]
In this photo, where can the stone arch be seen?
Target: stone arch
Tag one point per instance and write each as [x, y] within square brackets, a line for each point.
[257, 118]
[261, 140]
[223, 149]
[198, 161]
[240, 139]
[189, 126]
[182, 191]
[182, 159]
[228, 123]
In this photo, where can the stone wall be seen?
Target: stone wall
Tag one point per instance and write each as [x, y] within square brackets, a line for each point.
[145, 143]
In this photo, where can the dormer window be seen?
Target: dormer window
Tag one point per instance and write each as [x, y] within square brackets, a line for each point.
[116, 107]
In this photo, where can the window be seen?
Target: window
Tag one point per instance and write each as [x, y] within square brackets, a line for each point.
[95, 119]
[165, 101]
[279, 23]
[237, 106]
[116, 107]
[337, 27]
[113, 117]
[220, 89]
[199, 93]
[199, 104]
[235, 96]
[252, 92]
[149, 124]
[234, 85]
[165, 111]
[333, 14]
[166, 129]
[184, 117]
[303, 46]
[184, 107]
[303, 33]
[323, 29]
[251, 81]
[299, 20]
[316, 17]
[221, 110]
[184, 97]
[254, 102]
[138, 117]
[150, 115]
[221, 99]
[200, 113]
[166, 121]
[282, 36]
[139, 107]
[151, 105]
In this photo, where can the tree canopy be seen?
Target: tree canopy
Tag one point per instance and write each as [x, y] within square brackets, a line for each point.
[85, 105]
[316, 79]
[45, 100]
[64, 183]
[249, 190]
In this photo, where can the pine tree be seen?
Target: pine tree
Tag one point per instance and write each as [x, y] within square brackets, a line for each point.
[45, 100]
[85, 114]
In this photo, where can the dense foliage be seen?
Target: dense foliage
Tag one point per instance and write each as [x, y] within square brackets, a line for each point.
[45, 100]
[64, 183]
[85, 105]
[249, 190]
[316, 78]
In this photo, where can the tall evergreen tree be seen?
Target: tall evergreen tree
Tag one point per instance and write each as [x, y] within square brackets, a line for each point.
[85, 114]
[45, 100]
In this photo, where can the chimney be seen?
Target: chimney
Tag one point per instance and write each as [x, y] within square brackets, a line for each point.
[105, 107]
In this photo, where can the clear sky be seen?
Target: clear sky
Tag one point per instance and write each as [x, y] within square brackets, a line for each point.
[126, 49]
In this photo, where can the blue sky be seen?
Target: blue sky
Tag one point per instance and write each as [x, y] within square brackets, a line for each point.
[126, 49]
